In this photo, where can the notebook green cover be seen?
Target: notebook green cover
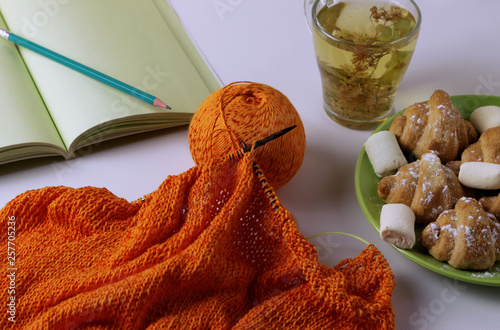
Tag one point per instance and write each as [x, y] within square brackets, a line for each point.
[49, 109]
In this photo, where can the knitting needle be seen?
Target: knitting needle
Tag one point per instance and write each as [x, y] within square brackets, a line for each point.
[137, 93]
[268, 139]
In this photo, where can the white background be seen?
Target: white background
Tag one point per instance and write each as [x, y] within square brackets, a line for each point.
[269, 42]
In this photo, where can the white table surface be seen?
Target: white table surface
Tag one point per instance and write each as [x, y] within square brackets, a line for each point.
[269, 42]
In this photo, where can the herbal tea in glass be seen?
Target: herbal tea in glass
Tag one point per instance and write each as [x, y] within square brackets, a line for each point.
[363, 49]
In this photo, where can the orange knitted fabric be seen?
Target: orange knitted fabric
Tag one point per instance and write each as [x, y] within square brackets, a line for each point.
[212, 248]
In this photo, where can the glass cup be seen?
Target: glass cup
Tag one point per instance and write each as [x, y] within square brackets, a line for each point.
[363, 49]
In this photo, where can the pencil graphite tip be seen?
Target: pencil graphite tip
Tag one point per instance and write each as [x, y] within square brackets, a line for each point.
[159, 103]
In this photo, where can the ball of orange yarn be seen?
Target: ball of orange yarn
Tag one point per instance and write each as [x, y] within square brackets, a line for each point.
[239, 115]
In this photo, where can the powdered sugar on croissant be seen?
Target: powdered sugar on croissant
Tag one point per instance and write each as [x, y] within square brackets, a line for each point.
[486, 149]
[491, 204]
[426, 186]
[436, 126]
[467, 236]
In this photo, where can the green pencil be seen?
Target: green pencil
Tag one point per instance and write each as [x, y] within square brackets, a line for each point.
[141, 95]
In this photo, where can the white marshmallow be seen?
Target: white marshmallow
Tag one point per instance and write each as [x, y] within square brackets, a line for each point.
[384, 153]
[485, 117]
[480, 175]
[397, 225]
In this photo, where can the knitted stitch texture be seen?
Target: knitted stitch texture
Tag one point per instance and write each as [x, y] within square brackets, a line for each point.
[211, 248]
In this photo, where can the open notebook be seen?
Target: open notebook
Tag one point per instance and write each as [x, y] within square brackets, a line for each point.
[49, 109]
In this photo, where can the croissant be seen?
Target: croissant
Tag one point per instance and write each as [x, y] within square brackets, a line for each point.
[491, 204]
[486, 149]
[467, 236]
[426, 186]
[435, 125]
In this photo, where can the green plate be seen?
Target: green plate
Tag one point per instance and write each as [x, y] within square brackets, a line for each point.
[366, 183]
